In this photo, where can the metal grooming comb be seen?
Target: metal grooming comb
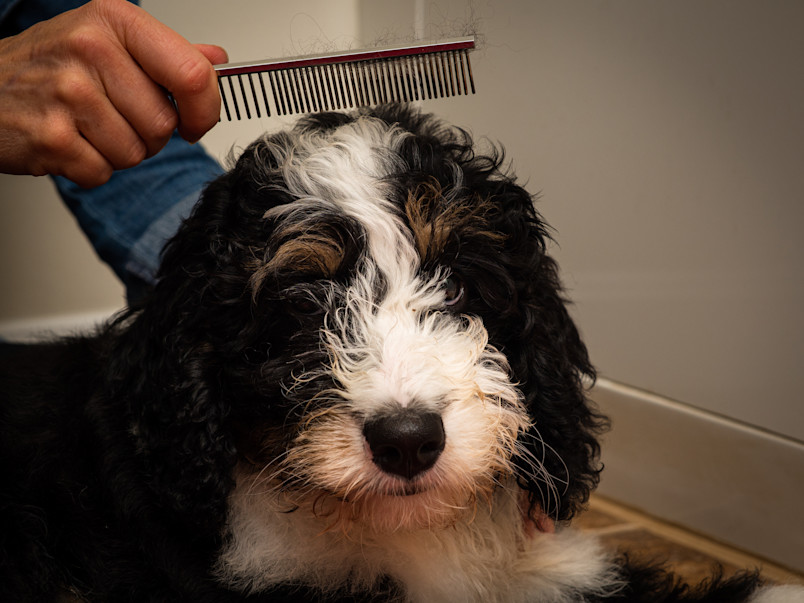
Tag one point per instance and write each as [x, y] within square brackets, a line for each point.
[343, 80]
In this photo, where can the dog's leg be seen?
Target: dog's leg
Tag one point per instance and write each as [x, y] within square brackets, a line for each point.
[654, 584]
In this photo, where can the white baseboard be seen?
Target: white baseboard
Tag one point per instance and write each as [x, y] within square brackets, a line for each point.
[44, 327]
[727, 480]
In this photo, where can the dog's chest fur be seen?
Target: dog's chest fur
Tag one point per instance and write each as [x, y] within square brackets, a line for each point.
[485, 557]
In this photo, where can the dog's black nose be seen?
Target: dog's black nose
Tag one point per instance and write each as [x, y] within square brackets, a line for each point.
[407, 442]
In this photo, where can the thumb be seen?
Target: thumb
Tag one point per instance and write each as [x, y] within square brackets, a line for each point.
[214, 54]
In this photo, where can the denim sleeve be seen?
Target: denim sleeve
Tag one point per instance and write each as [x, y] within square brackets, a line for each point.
[17, 15]
[129, 219]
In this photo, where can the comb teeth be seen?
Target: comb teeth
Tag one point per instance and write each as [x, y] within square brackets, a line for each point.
[346, 80]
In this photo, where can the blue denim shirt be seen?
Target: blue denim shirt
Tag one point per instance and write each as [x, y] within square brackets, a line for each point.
[129, 219]
[17, 15]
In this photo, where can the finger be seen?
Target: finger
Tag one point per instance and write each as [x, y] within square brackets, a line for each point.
[88, 170]
[173, 63]
[111, 134]
[143, 104]
[63, 151]
[197, 98]
[99, 120]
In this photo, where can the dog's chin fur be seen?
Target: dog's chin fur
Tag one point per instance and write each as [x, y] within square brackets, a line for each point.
[356, 378]
[480, 553]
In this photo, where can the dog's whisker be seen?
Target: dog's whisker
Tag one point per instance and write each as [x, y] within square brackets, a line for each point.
[261, 479]
[539, 475]
[540, 463]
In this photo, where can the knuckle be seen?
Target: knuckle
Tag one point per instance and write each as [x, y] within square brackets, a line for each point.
[107, 8]
[155, 144]
[102, 4]
[89, 172]
[89, 42]
[164, 123]
[90, 176]
[195, 75]
[57, 140]
[133, 155]
[101, 174]
[59, 151]
[155, 129]
[76, 90]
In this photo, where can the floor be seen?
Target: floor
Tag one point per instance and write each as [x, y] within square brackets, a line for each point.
[691, 555]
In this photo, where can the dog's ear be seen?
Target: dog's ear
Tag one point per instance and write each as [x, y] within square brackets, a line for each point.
[516, 288]
[553, 365]
[174, 343]
[547, 356]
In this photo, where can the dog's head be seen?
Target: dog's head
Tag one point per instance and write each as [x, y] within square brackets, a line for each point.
[360, 318]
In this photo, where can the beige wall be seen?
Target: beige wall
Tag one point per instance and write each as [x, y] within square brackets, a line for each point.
[46, 265]
[665, 138]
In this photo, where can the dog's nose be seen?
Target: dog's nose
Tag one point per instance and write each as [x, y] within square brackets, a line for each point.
[405, 443]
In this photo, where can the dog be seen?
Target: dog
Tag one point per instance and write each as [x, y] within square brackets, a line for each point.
[355, 379]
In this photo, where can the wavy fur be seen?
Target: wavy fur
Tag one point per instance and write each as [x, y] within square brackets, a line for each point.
[211, 444]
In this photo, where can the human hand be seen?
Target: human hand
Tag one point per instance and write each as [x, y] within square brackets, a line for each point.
[85, 93]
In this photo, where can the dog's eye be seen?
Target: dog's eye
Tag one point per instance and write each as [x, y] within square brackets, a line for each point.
[305, 299]
[453, 291]
[258, 353]
[305, 306]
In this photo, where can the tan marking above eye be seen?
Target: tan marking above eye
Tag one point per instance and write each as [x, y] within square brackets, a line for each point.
[435, 219]
[309, 253]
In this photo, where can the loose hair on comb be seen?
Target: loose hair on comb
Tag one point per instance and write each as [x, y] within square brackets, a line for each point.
[344, 80]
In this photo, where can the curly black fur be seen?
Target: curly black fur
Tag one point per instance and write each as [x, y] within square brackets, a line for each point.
[650, 582]
[117, 450]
